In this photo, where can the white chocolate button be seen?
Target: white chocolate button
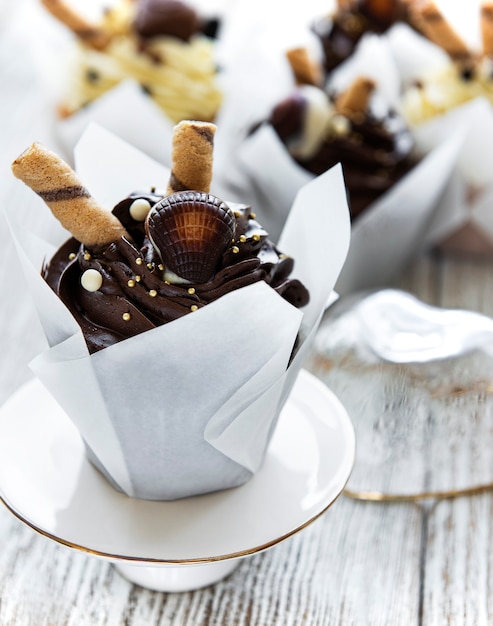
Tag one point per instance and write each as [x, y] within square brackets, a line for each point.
[139, 209]
[91, 280]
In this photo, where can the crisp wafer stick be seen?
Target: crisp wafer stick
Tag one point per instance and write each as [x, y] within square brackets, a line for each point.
[305, 70]
[192, 148]
[353, 102]
[344, 5]
[428, 18]
[70, 202]
[91, 34]
[487, 27]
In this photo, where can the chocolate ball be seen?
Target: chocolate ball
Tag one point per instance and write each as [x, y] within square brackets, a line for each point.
[166, 17]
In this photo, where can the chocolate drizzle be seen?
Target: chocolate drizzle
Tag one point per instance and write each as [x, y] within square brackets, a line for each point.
[134, 297]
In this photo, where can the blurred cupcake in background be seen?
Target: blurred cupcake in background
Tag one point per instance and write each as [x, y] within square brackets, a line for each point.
[165, 46]
[458, 76]
[355, 127]
[451, 88]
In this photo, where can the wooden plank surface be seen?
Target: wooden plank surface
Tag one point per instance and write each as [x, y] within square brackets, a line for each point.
[361, 564]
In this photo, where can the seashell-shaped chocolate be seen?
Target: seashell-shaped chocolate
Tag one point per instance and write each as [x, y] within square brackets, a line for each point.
[191, 230]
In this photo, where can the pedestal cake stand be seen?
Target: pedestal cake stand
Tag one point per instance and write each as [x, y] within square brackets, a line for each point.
[47, 482]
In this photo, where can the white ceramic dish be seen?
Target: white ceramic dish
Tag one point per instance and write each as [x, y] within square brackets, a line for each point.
[47, 482]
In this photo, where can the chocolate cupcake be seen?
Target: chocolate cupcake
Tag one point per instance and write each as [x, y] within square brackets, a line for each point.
[176, 328]
[370, 140]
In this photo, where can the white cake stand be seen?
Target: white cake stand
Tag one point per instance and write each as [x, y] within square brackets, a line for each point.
[47, 482]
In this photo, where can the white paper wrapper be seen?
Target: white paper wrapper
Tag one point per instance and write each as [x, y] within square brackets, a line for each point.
[188, 407]
[463, 222]
[392, 229]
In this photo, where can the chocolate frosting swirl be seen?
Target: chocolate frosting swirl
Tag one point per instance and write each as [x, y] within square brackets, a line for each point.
[134, 297]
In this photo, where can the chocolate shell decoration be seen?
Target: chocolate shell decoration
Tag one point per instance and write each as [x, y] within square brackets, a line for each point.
[191, 230]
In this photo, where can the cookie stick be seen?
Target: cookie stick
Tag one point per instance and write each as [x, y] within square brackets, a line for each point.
[353, 102]
[487, 27]
[70, 202]
[428, 19]
[305, 71]
[191, 156]
[91, 34]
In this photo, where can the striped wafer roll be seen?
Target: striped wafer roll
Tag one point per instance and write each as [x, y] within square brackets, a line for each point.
[487, 27]
[192, 156]
[305, 70]
[70, 202]
[353, 102]
[89, 33]
[428, 18]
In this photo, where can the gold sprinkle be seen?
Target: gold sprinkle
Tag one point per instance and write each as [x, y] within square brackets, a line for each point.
[194, 307]
[150, 266]
[237, 214]
[126, 317]
[235, 249]
[191, 291]
[283, 256]
[153, 293]
[242, 238]
[166, 282]
[138, 278]
[138, 261]
[256, 237]
[87, 256]
[161, 267]
[72, 256]
[131, 283]
[252, 216]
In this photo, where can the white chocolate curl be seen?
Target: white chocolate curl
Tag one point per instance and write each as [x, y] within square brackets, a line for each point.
[192, 157]
[70, 202]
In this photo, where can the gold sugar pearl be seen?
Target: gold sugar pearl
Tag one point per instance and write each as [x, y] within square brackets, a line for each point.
[237, 214]
[242, 238]
[153, 293]
[194, 307]
[150, 266]
[256, 237]
[252, 216]
[131, 283]
[191, 291]
[138, 261]
[72, 256]
[161, 267]
[138, 278]
[340, 125]
[235, 249]
[126, 317]
[87, 256]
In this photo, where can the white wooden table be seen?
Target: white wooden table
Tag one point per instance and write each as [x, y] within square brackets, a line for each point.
[360, 564]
